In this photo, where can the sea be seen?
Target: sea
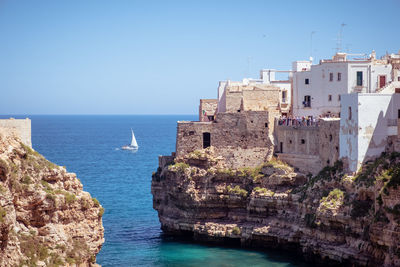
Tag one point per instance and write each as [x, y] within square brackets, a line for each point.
[90, 146]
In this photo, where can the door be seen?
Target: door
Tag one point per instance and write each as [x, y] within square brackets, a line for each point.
[281, 147]
[382, 81]
[206, 140]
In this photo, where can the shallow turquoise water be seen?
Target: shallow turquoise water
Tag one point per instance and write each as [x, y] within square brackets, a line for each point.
[89, 146]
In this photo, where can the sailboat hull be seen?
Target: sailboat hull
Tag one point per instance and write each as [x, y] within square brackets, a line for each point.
[130, 147]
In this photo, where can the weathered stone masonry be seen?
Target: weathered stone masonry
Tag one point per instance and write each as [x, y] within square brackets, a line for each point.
[308, 148]
[242, 139]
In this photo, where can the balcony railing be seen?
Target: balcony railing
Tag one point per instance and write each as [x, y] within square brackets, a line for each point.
[298, 122]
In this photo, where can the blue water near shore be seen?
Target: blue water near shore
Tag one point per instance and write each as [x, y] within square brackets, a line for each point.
[120, 180]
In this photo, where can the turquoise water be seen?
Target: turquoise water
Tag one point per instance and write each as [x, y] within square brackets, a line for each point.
[120, 180]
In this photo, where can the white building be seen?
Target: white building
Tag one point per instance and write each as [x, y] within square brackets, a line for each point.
[367, 120]
[317, 89]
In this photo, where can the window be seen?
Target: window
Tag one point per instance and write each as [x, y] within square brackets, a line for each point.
[307, 101]
[284, 96]
[329, 97]
[398, 79]
[281, 147]
[398, 113]
[303, 141]
[266, 125]
[338, 97]
[238, 110]
[350, 113]
[206, 140]
[191, 133]
[330, 137]
[339, 76]
[307, 81]
[331, 77]
[359, 78]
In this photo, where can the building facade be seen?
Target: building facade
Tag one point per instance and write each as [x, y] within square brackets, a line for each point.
[318, 90]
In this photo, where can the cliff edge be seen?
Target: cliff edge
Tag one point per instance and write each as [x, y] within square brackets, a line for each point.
[46, 219]
[330, 218]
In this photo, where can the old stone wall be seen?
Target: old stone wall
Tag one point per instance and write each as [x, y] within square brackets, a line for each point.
[308, 147]
[190, 136]
[242, 139]
[259, 97]
[18, 127]
[328, 141]
[207, 107]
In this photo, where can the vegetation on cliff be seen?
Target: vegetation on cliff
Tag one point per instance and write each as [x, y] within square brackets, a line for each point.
[46, 219]
[360, 214]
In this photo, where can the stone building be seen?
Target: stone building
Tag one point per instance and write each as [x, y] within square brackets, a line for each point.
[307, 145]
[18, 127]
[241, 139]
[243, 127]
[207, 109]
[240, 129]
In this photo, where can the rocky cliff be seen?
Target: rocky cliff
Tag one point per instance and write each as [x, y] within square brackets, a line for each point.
[329, 218]
[46, 219]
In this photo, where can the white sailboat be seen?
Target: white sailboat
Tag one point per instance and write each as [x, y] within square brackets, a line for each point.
[133, 145]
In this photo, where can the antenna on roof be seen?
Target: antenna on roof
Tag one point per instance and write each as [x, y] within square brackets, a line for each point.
[339, 39]
[311, 58]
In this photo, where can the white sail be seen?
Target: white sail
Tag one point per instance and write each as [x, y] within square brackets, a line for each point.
[133, 142]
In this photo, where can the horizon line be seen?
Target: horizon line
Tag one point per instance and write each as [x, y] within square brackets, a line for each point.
[104, 114]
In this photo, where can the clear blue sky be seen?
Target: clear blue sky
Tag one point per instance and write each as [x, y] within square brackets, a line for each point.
[161, 57]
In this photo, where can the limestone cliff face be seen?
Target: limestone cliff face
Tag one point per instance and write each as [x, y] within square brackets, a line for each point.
[46, 219]
[331, 217]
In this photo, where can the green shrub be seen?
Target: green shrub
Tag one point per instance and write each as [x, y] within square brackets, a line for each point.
[69, 197]
[254, 173]
[179, 166]
[26, 179]
[264, 191]
[47, 188]
[237, 190]
[229, 172]
[29, 150]
[101, 211]
[195, 155]
[333, 200]
[32, 249]
[96, 202]
[277, 164]
[236, 230]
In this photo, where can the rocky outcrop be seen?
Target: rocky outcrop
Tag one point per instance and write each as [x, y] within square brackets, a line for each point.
[330, 218]
[46, 219]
